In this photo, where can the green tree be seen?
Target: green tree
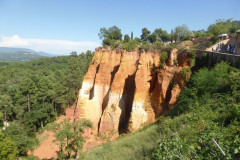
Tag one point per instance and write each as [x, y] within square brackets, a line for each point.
[27, 87]
[235, 26]
[126, 38]
[45, 89]
[110, 35]
[131, 35]
[220, 27]
[162, 34]
[163, 57]
[8, 149]
[1, 120]
[152, 38]
[182, 33]
[74, 54]
[69, 137]
[19, 134]
[5, 102]
[145, 34]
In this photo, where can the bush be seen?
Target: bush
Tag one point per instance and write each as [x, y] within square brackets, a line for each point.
[163, 57]
[158, 46]
[145, 46]
[185, 72]
[130, 46]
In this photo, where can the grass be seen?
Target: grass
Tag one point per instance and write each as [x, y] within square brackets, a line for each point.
[138, 145]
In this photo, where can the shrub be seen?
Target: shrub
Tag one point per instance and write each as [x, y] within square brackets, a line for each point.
[130, 46]
[185, 72]
[163, 57]
[145, 46]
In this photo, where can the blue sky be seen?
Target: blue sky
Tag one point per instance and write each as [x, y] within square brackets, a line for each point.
[62, 26]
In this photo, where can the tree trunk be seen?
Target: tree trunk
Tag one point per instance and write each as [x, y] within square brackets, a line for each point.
[42, 124]
[43, 103]
[68, 153]
[28, 99]
[5, 114]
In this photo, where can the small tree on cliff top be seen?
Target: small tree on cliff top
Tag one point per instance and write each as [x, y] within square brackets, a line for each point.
[69, 137]
[110, 35]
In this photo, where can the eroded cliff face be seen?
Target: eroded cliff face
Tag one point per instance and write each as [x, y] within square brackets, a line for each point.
[122, 91]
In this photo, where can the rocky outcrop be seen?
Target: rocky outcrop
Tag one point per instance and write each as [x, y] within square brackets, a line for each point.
[122, 91]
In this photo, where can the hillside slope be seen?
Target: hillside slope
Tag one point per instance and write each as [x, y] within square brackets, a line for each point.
[204, 124]
[127, 90]
[20, 54]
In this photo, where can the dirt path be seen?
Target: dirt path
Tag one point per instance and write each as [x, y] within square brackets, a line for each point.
[215, 45]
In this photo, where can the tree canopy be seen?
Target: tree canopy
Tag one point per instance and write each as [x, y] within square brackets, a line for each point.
[110, 35]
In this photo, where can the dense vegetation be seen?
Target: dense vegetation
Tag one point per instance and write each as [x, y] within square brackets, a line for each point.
[205, 123]
[34, 93]
[155, 41]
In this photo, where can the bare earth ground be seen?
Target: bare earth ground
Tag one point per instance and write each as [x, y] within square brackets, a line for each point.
[48, 149]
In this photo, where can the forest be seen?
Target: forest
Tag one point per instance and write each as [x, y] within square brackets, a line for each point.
[35, 93]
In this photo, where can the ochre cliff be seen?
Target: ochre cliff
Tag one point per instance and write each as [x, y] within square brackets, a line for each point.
[122, 91]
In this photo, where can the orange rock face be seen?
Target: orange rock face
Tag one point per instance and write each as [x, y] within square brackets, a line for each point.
[122, 91]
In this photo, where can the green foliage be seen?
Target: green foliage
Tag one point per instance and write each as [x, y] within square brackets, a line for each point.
[145, 46]
[158, 46]
[131, 35]
[8, 149]
[207, 111]
[20, 135]
[193, 54]
[185, 72]
[34, 93]
[69, 138]
[163, 57]
[1, 120]
[131, 45]
[162, 34]
[110, 35]
[126, 38]
[220, 27]
[133, 146]
[235, 26]
[182, 33]
[145, 34]
[152, 38]
[5, 103]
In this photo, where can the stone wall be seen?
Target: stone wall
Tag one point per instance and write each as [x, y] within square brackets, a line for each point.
[209, 59]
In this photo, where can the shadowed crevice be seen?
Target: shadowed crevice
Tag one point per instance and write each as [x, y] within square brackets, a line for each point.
[91, 94]
[168, 96]
[127, 100]
[106, 97]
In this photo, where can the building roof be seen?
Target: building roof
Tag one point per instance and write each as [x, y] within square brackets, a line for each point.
[222, 35]
[238, 31]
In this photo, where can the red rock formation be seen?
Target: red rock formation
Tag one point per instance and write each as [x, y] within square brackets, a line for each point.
[123, 90]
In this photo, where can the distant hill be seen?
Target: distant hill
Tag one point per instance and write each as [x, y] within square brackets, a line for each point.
[20, 54]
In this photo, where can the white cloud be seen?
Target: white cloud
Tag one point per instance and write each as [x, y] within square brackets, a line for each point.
[59, 47]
